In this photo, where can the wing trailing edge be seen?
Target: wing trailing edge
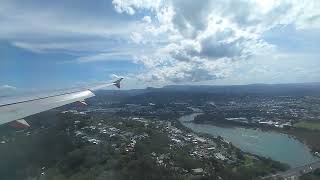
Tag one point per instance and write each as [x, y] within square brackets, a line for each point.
[19, 109]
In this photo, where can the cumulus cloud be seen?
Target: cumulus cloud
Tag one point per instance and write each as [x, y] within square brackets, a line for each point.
[187, 72]
[7, 87]
[200, 40]
[174, 40]
[131, 7]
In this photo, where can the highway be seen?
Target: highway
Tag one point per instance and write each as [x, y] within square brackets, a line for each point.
[294, 173]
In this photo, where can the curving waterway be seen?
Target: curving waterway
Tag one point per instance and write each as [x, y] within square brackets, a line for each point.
[277, 146]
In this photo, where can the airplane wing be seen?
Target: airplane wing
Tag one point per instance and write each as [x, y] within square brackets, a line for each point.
[17, 109]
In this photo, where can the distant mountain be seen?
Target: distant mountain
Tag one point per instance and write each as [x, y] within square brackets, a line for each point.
[259, 89]
[198, 93]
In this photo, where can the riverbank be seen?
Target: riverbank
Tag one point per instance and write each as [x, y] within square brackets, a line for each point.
[306, 136]
[310, 138]
[271, 144]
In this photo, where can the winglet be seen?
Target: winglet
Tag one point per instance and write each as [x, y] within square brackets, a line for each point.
[117, 82]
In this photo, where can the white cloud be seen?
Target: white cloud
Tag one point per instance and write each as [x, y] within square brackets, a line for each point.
[74, 46]
[6, 90]
[147, 19]
[43, 27]
[192, 39]
[174, 40]
[104, 57]
[309, 16]
[184, 71]
[7, 87]
[130, 7]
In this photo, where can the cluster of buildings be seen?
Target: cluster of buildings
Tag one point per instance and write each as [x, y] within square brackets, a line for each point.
[124, 140]
[272, 122]
[102, 132]
[201, 147]
[279, 112]
[277, 124]
[76, 112]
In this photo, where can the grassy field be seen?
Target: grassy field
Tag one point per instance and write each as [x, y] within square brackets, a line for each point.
[248, 161]
[308, 132]
[308, 125]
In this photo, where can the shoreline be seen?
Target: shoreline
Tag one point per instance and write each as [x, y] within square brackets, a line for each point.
[291, 132]
[263, 129]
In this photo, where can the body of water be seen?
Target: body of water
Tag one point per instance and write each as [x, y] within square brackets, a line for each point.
[277, 146]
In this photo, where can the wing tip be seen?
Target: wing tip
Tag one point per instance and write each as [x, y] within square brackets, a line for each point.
[117, 82]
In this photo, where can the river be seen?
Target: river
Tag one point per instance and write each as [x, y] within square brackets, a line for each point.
[277, 146]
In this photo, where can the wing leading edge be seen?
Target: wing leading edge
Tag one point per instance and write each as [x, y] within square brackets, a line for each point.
[17, 110]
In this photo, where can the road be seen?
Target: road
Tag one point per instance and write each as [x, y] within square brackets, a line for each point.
[293, 174]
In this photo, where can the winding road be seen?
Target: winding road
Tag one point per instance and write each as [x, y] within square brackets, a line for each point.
[295, 173]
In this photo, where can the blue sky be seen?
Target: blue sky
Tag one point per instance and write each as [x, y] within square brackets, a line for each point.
[58, 44]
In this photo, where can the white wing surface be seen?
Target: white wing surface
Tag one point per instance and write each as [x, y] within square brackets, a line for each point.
[17, 109]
